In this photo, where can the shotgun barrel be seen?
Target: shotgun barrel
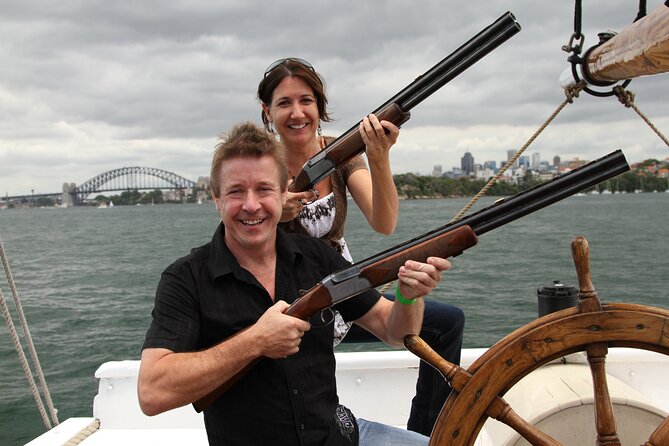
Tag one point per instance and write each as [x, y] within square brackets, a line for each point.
[530, 200]
[397, 109]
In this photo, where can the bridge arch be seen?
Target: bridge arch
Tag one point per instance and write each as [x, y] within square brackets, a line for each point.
[131, 178]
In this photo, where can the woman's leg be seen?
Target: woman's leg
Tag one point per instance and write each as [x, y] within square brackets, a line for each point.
[377, 434]
[443, 327]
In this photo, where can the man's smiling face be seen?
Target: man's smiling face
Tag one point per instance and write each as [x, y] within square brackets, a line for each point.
[250, 203]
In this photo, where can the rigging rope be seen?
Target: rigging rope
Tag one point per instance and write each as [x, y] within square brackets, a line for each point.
[31, 347]
[571, 92]
[83, 434]
[627, 99]
[23, 360]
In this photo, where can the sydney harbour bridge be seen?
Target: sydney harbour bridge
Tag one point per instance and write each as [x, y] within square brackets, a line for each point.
[121, 179]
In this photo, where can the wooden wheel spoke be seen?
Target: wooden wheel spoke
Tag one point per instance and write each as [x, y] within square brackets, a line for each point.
[660, 436]
[501, 411]
[458, 378]
[592, 328]
[605, 422]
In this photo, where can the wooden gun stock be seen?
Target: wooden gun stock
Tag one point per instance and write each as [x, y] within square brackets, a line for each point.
[342, 149]
[448, 244]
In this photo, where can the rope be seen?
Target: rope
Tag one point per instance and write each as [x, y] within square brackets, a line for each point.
[83, 434]
[627, 99]
[23, 360]
[31, 346]
[386, 286]
[571, 92]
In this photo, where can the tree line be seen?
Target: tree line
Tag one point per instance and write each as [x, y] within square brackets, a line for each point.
[412, 186]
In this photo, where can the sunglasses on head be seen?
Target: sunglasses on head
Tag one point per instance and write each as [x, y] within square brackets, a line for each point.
[276, 63]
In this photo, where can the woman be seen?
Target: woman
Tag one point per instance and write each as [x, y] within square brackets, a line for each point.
[292, 95]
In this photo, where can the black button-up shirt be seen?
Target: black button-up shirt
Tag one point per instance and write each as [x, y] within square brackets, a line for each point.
[207, 296]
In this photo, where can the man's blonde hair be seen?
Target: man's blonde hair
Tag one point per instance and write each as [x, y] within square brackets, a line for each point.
[247, 140]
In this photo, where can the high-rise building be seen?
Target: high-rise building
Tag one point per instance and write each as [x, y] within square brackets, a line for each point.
[556, 160]
[509, 155]
[536, 161]
[467, 163]
[436, 170]
[492, 165]
[524, 161]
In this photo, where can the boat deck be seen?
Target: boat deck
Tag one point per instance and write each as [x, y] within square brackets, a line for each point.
[372, 382]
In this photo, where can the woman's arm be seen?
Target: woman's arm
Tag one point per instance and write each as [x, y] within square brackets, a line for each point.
[374, 191]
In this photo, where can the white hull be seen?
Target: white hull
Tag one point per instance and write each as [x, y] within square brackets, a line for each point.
[379, 386]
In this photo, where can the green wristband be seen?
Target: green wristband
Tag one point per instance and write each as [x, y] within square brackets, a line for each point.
[401, 299]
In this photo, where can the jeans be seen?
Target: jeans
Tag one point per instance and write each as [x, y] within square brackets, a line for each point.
[443, 327]
[373, 434]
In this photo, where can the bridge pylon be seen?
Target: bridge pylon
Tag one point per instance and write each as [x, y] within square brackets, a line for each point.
[69, 197]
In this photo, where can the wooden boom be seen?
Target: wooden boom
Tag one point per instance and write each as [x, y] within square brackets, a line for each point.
[639, 50]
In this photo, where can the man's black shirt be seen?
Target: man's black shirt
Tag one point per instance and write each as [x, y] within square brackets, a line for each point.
[206, 297]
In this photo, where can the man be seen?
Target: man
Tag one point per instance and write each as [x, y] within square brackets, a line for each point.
[220, 308]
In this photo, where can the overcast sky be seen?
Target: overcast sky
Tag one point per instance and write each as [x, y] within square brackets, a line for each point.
[89, 86]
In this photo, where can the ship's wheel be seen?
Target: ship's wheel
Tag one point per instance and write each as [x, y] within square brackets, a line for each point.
[591, 327]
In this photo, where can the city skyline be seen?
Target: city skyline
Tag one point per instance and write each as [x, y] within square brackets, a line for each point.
[531, 160]
[434, 168]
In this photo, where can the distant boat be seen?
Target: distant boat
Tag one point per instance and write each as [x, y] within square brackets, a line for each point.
[606, 190]
[111, 204]
[638, 191]
[199, 201]
[102, 205]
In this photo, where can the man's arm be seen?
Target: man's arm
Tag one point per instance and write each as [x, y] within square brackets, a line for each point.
[391, 321]
[168, 380]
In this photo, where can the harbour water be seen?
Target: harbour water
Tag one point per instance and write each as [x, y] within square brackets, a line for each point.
[86, 278]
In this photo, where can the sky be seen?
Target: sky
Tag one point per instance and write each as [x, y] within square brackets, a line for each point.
[88, 86]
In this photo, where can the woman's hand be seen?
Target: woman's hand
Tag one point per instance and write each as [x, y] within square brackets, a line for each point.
[295, 202]
[378, 136]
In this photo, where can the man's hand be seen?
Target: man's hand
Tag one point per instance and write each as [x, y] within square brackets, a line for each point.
[278, 334]
[419, 279]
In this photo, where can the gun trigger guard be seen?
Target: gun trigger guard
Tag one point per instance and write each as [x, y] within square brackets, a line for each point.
[323, 320]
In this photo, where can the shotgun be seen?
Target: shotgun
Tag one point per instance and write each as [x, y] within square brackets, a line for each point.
[446, 241]
[397, 109]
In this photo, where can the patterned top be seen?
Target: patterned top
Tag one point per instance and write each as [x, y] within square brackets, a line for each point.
[325, 218]
[318, 217]
[339, 180]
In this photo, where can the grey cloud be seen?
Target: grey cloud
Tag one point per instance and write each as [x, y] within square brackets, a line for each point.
[158, 75]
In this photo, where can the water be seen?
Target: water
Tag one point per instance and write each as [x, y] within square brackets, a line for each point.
[87, 276]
